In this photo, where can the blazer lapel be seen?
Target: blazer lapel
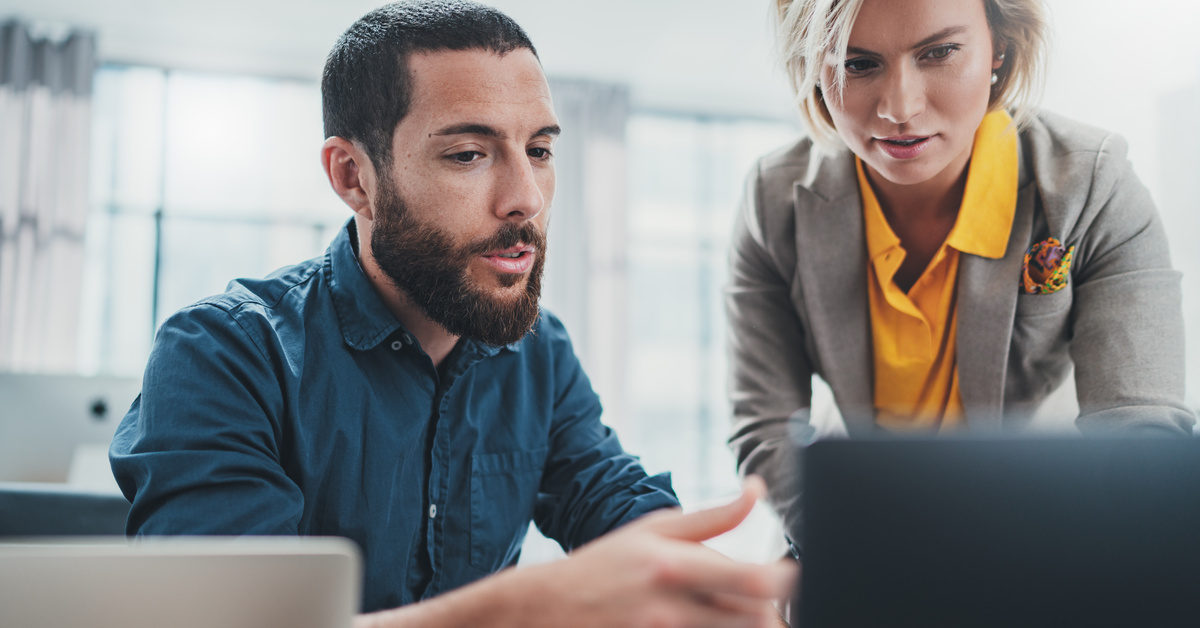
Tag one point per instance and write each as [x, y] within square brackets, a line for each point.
[831, 253]
[987, 303]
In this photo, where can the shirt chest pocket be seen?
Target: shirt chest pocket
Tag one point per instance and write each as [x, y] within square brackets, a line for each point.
[504, 489]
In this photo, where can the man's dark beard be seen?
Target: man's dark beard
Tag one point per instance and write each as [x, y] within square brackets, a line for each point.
[423, 262]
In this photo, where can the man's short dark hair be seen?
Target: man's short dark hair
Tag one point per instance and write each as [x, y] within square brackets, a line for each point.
[366, 88]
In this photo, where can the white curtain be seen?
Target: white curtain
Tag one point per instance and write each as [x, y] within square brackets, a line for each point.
[585, 272]
[45, 119]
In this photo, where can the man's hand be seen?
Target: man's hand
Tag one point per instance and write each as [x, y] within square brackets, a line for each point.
[653, 572]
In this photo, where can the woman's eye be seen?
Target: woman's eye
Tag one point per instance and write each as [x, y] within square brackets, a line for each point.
[858, 66]
[941, 52]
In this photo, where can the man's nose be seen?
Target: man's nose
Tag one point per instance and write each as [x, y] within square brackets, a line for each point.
[520, 195]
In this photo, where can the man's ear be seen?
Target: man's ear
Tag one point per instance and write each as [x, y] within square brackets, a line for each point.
[351, 174]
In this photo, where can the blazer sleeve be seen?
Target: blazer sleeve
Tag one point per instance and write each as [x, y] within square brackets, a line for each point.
[1127, 343]
[770, 370]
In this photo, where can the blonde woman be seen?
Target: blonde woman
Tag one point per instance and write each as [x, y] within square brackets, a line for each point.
[939, 252]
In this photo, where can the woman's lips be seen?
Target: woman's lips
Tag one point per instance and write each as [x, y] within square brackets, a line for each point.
[516, 260]
[903, 146]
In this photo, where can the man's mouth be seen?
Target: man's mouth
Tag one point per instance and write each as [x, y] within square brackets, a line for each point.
[516, 259]
[514, 252]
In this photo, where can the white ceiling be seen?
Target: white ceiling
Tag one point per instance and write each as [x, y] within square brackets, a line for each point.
[711, 56]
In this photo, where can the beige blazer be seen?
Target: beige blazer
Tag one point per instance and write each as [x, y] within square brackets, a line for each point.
[797, 303]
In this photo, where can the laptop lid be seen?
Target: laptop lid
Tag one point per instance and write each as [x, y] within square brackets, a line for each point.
[181, 582]
[1054, 532]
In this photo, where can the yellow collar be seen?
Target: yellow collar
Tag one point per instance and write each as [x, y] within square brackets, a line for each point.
[990, 198]
[989, 201]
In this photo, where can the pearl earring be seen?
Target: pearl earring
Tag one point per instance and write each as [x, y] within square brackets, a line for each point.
[994, 78]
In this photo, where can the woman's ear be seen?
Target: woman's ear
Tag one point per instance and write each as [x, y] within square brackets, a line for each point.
[998, 56]
[351, 174]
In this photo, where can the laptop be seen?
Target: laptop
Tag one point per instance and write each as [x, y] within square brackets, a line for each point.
[180, 582]
[1051, 532]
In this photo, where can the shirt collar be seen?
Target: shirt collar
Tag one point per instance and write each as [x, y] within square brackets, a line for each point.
[364, 318]
[880, 237]
[990, 198]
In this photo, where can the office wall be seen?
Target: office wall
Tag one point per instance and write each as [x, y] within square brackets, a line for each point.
[1134, 68]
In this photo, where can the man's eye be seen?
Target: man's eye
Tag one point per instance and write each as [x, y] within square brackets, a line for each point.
[539, 153]
[466, 157]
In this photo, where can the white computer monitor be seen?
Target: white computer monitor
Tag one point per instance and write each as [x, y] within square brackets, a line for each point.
[49, 421]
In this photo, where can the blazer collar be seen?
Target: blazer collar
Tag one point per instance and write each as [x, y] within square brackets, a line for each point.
[831, 253]
[987, 304]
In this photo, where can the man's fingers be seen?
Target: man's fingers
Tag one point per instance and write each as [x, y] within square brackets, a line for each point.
[710, 613]
[740, 604]
[773, 581]
[705, 524]
[707, 573]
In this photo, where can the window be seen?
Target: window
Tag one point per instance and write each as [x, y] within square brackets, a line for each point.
[196, 179]
[686, 176]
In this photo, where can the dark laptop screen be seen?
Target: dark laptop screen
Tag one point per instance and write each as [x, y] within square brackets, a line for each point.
[1056, 532]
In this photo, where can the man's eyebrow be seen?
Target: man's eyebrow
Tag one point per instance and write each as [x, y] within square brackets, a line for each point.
[942, 34]
[553, 131]
[474, 128]
[470, 128]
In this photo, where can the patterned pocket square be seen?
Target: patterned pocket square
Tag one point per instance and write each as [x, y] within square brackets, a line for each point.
[1046, 266]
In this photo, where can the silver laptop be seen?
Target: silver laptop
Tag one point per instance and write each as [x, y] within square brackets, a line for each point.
[180, 582]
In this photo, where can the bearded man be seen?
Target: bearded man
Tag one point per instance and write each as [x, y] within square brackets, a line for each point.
[405, 391]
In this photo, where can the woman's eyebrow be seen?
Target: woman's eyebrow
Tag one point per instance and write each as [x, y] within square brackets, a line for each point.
[942, 34]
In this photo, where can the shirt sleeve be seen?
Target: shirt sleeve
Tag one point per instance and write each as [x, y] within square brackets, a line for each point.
[198, 453]
[590, 485]
[770, 389]
[1127, 335]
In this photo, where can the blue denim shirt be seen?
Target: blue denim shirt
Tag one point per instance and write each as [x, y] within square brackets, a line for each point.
[298, 404]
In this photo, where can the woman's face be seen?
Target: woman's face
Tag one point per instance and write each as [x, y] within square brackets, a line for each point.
[918, 80]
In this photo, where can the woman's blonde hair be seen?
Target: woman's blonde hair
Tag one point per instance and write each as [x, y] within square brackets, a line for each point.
[808, 30]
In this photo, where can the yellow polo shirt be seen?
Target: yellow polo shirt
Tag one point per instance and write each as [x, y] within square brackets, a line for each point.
[914, 334]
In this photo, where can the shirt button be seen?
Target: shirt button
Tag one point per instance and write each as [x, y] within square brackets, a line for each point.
[408, 339]
[396, 345]
[432, 511]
